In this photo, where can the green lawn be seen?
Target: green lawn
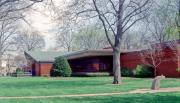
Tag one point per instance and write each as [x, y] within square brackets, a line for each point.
[133, 98]
[38, 86]
[59, 86]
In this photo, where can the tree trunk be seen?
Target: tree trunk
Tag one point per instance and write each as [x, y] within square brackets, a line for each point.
[69, 48]
[116, 67]
[117, 44]
[155, 70]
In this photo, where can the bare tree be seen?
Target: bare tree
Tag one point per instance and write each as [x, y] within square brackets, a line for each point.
[85, 38]
[160, 20]
[127, 41]
[136, 39]
[132, 40]
[118, 17]
[65, 39]
[10, 9]
[20, 60]
[90, 38]
[156, 54]
[70, 27]
[175, 48]
[158, 30]
[153, 57]
[65, 27]
[163, 19]
[177, 19]
[7, 30]
[29, 40]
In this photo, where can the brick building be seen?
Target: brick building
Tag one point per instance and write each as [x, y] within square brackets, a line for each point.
[101, 60]
[40, 62]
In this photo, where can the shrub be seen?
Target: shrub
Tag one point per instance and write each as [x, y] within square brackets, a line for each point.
[19, 71]
[178, 70]
[89, 74]
[61, 68]
[144, 71]
[126, 72]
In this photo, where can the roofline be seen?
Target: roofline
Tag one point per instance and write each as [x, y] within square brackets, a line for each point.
[87, 53]
[82, 54]
[167, 42]
[46, 61]
[37, 60]
[26, 54]
[41, 61]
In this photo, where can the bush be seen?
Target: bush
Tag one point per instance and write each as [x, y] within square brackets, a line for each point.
[178, 70]
[144, 71]
[89, 74]
[61, 68]
[126, 72]
[19, 71]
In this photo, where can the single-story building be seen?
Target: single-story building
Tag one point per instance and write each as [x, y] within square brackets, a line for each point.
[101, 60]
[40, 62]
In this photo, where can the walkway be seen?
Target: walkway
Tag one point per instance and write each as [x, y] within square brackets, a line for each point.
[138, 91]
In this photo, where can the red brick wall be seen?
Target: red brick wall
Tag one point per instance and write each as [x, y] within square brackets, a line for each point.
[170, 65]
[131, 60]
[45, 69]
[167, 67]
[37, 71]
[42, 69]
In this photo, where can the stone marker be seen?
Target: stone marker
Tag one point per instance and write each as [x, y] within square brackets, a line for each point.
[156, 82]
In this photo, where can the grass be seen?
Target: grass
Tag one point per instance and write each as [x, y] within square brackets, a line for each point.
[38, 86]
[133, 98]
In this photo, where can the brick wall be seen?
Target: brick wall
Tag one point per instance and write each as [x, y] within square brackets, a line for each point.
[131, 60]
[42, 69]
[37, 72]
[45, 69]
[168, 67]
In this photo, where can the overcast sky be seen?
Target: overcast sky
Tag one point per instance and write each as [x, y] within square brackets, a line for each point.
[41, 20]
[43, 24]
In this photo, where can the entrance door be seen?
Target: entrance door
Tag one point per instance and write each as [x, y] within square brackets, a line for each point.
[33, 70]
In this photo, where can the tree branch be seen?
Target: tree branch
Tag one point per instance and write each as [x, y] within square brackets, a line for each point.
[103, 22]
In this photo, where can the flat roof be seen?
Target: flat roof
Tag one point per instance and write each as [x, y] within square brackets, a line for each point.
[87, 53]
[49, 56]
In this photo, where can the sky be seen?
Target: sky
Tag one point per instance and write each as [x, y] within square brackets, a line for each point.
[41, 21]
[43, 24]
